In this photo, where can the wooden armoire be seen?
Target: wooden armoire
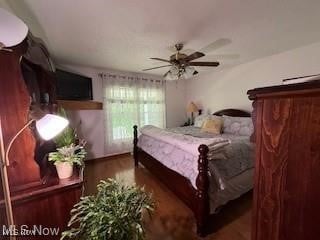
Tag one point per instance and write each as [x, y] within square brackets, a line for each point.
[38, 197]
[287, 167]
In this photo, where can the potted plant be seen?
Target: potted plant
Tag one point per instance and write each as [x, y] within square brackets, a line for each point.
[114, 213]
[68, 152]
[65, 157]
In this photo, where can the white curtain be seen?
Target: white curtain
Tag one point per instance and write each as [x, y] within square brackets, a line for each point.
[129, 101]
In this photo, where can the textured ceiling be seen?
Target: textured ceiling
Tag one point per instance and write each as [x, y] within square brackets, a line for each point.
[123, 34]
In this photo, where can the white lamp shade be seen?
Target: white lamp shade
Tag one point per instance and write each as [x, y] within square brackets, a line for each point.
[192, 107]
[50, 126]
[189, 71]
[12, 29]
[174, 70]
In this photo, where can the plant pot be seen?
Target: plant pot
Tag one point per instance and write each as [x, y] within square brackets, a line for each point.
[64, 170]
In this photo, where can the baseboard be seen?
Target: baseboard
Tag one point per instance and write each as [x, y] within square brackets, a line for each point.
[107, 158]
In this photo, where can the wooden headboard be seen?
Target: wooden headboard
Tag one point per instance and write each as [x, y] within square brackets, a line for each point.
[237, 113]
[232, 113]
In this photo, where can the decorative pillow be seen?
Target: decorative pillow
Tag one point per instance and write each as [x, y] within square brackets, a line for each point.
[212, 126]
[199, 120]
[242, 126]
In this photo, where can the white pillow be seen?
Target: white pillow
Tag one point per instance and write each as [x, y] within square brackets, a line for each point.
[199, 120]
[242, 126]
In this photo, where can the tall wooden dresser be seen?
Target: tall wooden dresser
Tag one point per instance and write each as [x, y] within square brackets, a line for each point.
[287, 176]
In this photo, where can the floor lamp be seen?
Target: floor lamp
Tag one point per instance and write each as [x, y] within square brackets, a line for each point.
[12, 32]
[48, 126]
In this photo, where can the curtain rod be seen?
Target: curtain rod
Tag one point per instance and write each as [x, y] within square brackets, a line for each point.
[114, 75]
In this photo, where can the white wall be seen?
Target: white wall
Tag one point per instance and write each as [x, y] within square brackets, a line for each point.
[92, 121]
[227, 88]
[175, 103]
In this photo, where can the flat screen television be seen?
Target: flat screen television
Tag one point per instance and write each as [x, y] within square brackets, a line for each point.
[71, 86]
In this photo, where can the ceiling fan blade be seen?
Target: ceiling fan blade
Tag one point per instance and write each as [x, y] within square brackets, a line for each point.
[188, 51]
[161, 59]
[166, 74]
[215, 45]
[147, 69]
[193, 56]
[204, 64]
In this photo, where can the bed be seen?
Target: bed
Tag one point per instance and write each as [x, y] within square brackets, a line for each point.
[202, 188]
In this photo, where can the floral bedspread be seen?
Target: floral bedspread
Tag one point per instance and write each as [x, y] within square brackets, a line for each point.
[224, 163]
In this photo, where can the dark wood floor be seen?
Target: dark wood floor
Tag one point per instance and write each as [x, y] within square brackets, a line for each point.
[171, 219]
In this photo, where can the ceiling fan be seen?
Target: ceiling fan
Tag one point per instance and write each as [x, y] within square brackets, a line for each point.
[182, 65]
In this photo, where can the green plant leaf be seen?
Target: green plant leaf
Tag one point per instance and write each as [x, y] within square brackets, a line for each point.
[68, 136]
[73, 154]
[114, 213]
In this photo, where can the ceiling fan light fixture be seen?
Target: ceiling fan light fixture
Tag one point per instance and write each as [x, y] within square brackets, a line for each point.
[176, 73]
[174, 70]
[169, 76]
[189, 71]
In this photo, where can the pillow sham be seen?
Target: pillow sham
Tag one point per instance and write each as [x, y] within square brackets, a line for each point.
[213, 125]
[199, 120]
[242, 126]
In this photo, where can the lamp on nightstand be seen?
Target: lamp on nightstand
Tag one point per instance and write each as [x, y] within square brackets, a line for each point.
[192, 107]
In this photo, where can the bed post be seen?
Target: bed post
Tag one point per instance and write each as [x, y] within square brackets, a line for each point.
[202, 193]
[135, 145]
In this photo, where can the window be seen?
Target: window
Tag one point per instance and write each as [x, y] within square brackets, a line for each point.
[130, 102]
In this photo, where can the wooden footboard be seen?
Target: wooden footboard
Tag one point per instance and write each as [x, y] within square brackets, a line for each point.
[196, 199]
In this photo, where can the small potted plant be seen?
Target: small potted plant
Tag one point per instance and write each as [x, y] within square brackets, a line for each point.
[65, 157]
[68, 152]
[114, 213]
